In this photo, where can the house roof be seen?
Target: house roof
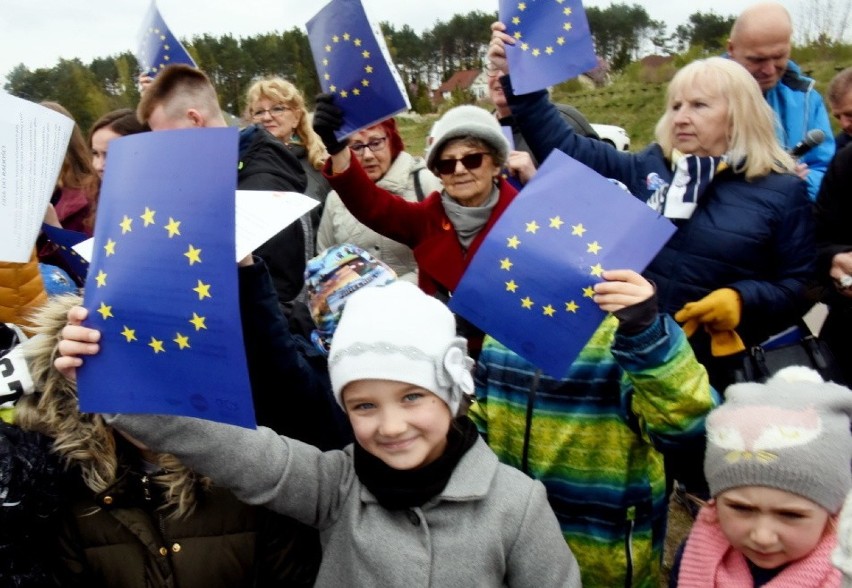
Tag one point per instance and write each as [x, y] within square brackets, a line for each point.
[461, 79]
[655, 61]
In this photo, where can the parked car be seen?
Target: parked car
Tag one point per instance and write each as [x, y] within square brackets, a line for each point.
[615, 136]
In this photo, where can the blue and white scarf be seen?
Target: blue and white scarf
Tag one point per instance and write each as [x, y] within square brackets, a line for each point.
[692, 176]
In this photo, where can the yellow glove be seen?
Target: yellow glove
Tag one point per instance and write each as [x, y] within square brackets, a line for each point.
[719, 312]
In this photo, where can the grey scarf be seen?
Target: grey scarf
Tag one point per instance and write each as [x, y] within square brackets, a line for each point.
[469, 220]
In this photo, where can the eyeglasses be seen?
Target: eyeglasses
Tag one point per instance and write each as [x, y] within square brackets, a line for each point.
[374, 145]
[470, 161]
[274, 111]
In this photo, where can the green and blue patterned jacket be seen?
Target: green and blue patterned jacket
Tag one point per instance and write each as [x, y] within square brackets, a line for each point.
[596, 439]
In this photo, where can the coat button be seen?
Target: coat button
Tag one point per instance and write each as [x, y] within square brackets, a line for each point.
[415, 520]
[163, 551]
[176, 547]
[107, 500]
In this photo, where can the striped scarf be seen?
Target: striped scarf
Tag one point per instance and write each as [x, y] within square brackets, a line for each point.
[692, 176]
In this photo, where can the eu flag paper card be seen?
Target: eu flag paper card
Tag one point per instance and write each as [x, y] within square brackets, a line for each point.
[530, 285]
[353, 64]
[158, 47]
[553, 42]
[162, 283]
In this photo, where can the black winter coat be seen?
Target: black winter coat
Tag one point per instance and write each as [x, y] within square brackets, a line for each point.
[33, 489]
[267, 164]
[833, 213]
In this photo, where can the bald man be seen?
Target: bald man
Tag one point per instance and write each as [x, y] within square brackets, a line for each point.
[760, 41]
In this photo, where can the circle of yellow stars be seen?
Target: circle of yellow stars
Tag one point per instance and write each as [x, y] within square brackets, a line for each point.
[357, 46]
[153, 67]
[195, 322]
[516, 22]
[550, 309]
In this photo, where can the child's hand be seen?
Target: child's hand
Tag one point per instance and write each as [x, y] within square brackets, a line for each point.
[621, 289]
[76, 340]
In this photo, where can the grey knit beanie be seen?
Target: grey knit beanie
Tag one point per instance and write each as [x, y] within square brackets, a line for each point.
[464, 121]
[791, 434]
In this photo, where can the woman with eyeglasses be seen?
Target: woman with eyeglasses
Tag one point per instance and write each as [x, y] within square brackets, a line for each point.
[444, 230]
[380, 151]
[279, 107]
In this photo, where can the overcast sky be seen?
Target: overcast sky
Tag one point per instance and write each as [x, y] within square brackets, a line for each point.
[39, 33]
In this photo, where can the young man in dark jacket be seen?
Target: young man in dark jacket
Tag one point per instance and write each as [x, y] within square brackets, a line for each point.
[184, 97]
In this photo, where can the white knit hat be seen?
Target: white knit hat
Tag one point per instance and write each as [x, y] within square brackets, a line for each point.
[397, 332]
[467, 121]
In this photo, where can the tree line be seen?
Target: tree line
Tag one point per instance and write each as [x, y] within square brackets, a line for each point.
[622, 33]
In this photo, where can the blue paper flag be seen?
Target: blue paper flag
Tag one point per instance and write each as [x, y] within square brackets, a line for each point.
[353, 63]
[65, 239]
[553, 42]
[158, 47]
[530, 285]
[162, 285]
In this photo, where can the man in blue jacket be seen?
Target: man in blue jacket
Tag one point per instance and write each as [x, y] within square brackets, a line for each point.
[760, 41]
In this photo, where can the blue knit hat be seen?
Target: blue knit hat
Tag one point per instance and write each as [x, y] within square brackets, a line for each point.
[331, 277]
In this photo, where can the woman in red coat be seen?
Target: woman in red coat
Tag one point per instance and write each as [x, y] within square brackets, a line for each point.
[446, 228]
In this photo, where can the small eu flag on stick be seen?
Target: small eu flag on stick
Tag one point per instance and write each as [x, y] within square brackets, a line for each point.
[158, 47]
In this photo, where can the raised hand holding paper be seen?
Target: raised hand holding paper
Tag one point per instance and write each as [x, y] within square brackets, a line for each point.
[162, 284]
[530, 285]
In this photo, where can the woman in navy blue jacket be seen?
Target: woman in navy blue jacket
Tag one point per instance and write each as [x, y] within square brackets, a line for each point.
[744, 250]
[745, 229]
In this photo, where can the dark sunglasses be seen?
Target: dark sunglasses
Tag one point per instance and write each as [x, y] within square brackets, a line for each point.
[470, 161]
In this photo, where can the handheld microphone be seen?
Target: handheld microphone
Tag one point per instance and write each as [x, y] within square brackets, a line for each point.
[812, 138]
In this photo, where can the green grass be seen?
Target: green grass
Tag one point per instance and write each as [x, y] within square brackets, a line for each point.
[635, 98]
[414, 131]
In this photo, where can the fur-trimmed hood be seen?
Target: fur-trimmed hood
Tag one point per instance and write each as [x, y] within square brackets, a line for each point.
[84, 440]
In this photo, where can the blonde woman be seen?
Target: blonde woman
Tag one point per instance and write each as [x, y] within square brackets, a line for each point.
[737, 266]
[279, 107]
[744, 248]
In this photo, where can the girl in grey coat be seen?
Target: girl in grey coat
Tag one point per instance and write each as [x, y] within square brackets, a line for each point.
[419, 499]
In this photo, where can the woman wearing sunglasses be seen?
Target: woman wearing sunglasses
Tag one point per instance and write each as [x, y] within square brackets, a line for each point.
[380, 151]
[447, 227]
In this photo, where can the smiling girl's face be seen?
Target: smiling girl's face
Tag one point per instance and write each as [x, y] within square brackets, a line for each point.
[403, 425]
